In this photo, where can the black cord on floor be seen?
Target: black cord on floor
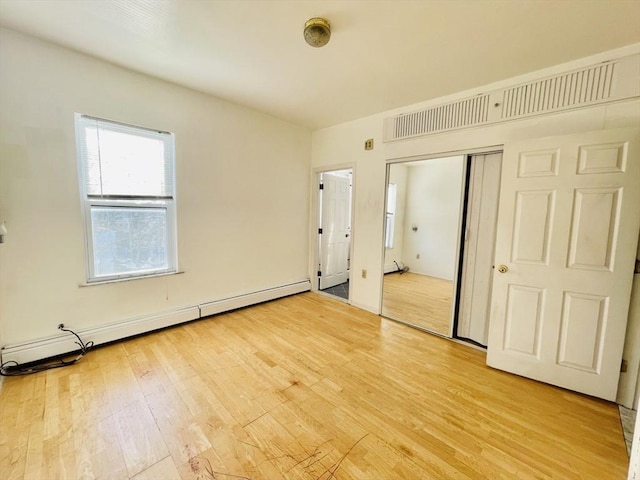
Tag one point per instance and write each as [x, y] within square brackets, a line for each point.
[14, 369]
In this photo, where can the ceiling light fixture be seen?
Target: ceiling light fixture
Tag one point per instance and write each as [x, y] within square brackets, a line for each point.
[317, 32]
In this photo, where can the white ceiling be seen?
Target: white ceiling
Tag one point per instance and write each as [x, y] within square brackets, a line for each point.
[383, 54]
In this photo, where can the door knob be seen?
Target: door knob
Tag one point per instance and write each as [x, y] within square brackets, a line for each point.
[503, 269]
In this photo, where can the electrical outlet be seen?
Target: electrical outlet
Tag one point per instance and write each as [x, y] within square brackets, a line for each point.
[364, 273]
[368, 144]
[60, 326]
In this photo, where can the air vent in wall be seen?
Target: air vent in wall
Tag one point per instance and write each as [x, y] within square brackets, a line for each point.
[601, 83]
[464, 113]
[572, 89]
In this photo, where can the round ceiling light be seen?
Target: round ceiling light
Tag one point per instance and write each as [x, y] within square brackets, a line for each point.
[317, 32]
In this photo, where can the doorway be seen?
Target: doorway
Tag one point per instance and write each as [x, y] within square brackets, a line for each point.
[334, 232]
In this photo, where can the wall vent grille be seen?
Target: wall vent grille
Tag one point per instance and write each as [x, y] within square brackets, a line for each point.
[563, 91]
[592, 85]
[465, 113]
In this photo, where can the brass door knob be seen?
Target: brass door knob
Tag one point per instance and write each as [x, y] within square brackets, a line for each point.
[503, 269]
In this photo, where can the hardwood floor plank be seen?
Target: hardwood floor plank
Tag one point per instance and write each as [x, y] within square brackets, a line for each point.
[97, 451]
[305, 388]
[165, 469]
[122, 387]
[183, 434]
[141, 442]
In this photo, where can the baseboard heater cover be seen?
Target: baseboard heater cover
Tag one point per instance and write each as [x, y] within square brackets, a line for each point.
[60, 344]
[240, 301]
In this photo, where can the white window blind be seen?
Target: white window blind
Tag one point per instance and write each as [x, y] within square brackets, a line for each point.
[120, 160]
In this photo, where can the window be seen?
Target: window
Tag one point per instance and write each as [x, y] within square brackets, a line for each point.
[128, 195]
[391, 213]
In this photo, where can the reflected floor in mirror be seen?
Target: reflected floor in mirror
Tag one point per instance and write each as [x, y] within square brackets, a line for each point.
[419, 300]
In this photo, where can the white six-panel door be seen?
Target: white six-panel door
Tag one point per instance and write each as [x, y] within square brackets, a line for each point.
[335, 237]
[568, 225]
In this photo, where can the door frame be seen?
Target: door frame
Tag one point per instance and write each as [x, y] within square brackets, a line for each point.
[315, 224]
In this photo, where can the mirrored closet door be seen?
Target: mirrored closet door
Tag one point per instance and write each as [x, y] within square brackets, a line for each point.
[422, 241]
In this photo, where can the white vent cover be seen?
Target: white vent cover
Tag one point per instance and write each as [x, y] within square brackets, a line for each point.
[583, 87]
[472, 111]
[605, 82]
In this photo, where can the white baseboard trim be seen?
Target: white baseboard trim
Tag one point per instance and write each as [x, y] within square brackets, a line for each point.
[240, 301]
[65, 342]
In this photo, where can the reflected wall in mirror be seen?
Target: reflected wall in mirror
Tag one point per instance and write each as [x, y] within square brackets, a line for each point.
[422, 232]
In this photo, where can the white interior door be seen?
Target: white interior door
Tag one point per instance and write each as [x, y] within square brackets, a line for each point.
[479, 240]
[568, 224]
[335, 224]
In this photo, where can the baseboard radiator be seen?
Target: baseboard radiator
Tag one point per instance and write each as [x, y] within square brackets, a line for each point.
[390, 268]
[64, 343]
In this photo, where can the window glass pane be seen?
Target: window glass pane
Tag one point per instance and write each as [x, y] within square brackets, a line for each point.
[392, 193]
[122, 163]
[389, 231]
[129, 239]
[391, 198]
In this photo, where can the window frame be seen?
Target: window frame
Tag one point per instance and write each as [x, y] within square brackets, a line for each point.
[88, 202]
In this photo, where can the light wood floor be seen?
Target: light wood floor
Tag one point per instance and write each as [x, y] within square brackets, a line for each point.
[420, 300]
[305, 388]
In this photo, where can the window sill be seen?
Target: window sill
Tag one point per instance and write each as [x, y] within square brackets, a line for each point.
[129, 279]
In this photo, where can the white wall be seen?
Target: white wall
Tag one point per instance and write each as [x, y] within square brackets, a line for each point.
[333, 147]
[242, 192]
[434, 190]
